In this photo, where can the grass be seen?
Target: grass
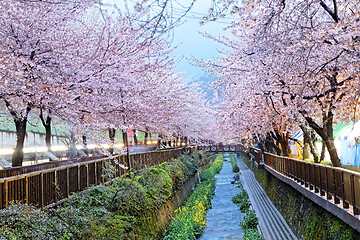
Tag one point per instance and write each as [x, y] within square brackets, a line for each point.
[234, 164]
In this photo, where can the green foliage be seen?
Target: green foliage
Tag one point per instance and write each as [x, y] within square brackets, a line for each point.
[215, 168]
[189, 165]
[109, 171]
[250, 220]
[252, 234]
[234, 164]
[338, 230]
[351, 167]
[200, 157]
[177, 172]
[111, 211]
[157, 185]
[112, 227]
[190, 220]
[20, 221]
[207, 174]
[217, 164]
[242, 201]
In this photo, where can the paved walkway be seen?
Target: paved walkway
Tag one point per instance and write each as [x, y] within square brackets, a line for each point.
[272, 224]
[224, 217]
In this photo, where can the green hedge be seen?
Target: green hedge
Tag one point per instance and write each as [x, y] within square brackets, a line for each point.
[111, 211]
[190, 220]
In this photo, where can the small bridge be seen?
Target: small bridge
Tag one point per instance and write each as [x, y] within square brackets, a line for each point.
[223, 148]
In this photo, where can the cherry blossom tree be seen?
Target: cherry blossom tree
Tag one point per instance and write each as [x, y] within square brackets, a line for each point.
[32, 37]
[301, 58]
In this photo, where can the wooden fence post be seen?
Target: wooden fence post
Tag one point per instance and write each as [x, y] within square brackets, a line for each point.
[67, 182]
[27, 190]
[6, 193]
[42, 190]
[87, 175]
[79, 178]
[356, 195]
[56, 185]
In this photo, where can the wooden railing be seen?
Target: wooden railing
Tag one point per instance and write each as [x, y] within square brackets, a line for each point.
[222, 148]
[337, 184]
[14, 171]
[50, 186]
[257, 155]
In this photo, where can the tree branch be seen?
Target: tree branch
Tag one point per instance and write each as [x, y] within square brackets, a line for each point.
[332, 13]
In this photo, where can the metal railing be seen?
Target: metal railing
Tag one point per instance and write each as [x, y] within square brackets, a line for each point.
[47, 187]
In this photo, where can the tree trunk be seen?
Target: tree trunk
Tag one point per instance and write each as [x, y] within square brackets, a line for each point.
[84, 140]
[72, 143]
[322, 156]
[124, 136]
[330, 145]
[274, 145]
[313, 148]
[20, 124]
[135, 137]
[285, 146]
[112, 132]
[126, 145]
[333, 153]
[326, 133]
[47, 125]
[18, 155]
[284, 142]
[146, 137]
[306, 154]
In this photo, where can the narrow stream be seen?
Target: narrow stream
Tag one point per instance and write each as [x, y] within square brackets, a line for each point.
[224, 217]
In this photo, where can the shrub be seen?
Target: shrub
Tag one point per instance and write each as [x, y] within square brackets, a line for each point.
[250, 220]
[157, 184]
[207, 174]
[190, 220]
[234, 164]
[217, 164]
[175, 171]
[242, 201]
[21, 221]
[200, 157]
[252, 234]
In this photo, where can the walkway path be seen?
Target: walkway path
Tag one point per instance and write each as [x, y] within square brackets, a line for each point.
[272, 224]
[224, 217]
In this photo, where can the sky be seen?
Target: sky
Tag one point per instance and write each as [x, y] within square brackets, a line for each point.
[188, 41]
